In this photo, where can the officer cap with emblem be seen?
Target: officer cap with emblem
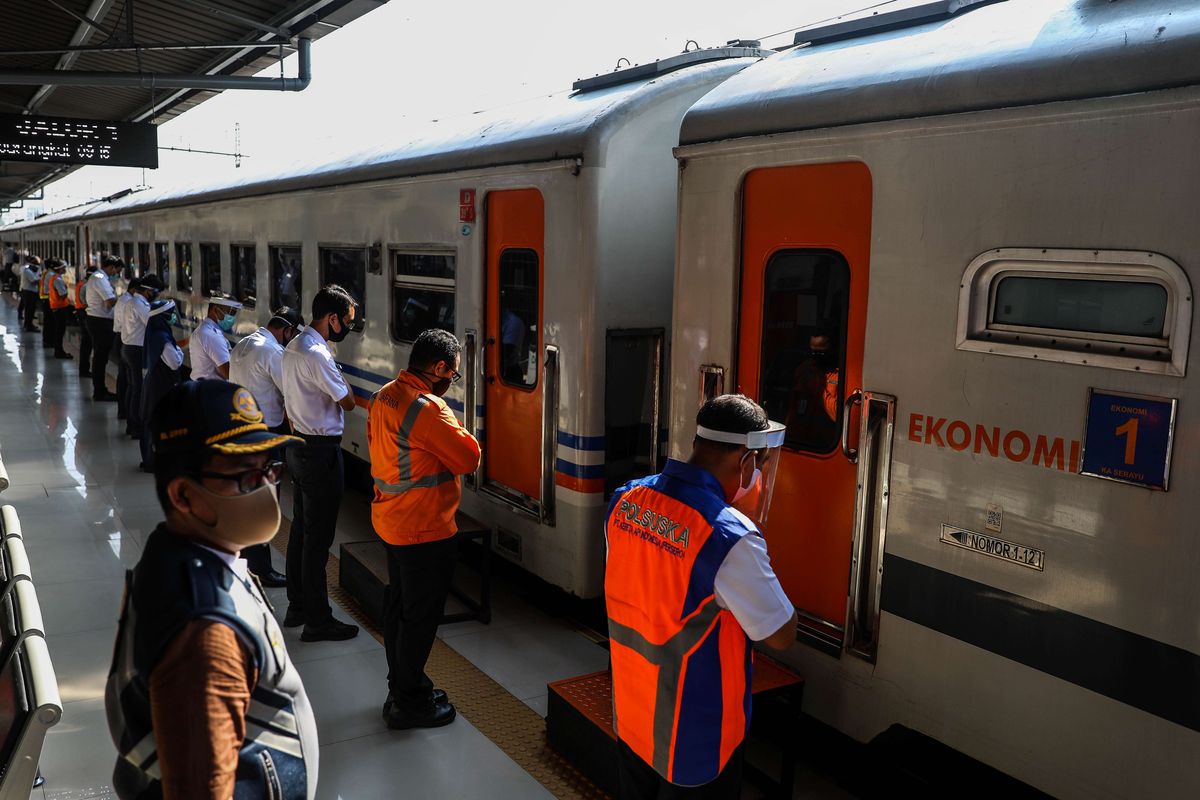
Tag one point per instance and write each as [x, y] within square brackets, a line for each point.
[212, 415]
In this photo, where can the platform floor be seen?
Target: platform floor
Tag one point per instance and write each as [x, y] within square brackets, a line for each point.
[86, 511]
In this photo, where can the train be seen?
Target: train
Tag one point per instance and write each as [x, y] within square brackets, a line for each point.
[949, 244]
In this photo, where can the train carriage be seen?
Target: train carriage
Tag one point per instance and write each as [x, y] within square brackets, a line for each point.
[984, 510]
[542, 235]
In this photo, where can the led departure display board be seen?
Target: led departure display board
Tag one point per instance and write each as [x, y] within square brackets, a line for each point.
[78, 141]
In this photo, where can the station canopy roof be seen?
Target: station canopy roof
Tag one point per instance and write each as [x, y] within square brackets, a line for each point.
[220, 37]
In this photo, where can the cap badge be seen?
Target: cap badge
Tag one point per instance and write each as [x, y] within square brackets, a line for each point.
[244, 407]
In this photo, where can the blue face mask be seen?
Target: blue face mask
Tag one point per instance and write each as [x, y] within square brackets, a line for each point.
[226, 323]
[173, 319]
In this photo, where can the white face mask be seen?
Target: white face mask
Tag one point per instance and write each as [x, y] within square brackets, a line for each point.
[745, 490]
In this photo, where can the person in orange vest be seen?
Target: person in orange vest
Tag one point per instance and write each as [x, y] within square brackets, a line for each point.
[85, 338]
[60, 304]
[44, 303]
[688, 588]
[418, 451]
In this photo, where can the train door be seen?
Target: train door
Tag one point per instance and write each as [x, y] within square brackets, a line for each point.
[805, 252]
[513, 392]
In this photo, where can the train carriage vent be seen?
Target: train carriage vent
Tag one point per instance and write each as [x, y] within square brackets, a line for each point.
[885, 17]
[736, 48]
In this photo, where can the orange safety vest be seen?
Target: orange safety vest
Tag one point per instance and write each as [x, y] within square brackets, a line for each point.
[44, 285]
[418, 451]
[80, 303]
[681, 664]
[58, 301]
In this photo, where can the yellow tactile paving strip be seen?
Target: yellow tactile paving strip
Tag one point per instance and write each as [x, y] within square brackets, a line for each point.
[508, 723]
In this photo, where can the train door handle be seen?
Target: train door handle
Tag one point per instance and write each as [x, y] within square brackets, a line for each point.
[491, 378]
[491, 340]
[852, 400]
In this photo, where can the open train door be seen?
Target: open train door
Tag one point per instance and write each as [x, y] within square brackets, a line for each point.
[513, 392]
[806, 234]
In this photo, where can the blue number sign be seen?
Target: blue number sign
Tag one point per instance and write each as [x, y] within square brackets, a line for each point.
[1128, 438]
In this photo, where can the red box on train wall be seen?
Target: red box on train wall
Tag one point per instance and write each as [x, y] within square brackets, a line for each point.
[466, 205]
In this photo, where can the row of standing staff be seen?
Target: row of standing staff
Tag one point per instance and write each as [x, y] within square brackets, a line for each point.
[689, 583]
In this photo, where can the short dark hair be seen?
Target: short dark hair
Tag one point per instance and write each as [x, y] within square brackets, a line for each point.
[433, 345]
[169, 466]
[285, 317]
[332, 299]
[733, 413]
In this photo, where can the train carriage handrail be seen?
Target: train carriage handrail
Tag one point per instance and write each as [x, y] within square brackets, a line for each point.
[43, 712]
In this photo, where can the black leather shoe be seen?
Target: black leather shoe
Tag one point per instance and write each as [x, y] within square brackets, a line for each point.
[328, 631]
[439, 697]
[107, 397]
[83, 374]
[294, 618]
[273, 579]
[64, 355]
[437, 715]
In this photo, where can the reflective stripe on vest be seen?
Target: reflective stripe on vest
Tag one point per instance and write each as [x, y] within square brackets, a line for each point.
[44, 286]
[669, 658]
[403, 459]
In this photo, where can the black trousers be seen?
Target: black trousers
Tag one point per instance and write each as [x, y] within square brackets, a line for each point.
[101, 330]
[29, 307]
[62, 318]
[47, 322]
[131, 360]
[639, 781]
[419, 578]
[85, 343]
[318, 481]
[122, 381]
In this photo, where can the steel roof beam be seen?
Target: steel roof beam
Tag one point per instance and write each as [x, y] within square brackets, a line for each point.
[83, 18]
[130, 48]
[151, 80]
[96, 10]
[232, 16]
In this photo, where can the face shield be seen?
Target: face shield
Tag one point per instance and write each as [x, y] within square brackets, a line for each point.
[759, 466]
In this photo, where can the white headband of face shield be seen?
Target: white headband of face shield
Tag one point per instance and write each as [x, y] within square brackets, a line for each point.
[754, 440]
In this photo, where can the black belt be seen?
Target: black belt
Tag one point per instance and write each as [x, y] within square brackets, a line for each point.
[312, 438]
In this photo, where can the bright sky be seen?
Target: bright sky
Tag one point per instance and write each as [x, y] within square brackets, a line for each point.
[407, 63]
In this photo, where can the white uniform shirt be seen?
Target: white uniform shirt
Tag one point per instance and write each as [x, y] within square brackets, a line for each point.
[29, 279]
[746, 586]
[257, 363]
[137, 313]
[121, 316]
[313, 385]
[96, 293]
[209, 349]
[60, 285]
[172, 356]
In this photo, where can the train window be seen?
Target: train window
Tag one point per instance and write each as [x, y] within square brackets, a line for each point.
[162, 262]
[805, 302]
[146, 266]
[210, 269]
[244, 258]
[1122, 310]
[347, 267]
[133, 266]
[69, 253]
[183, 266]
[519, 280]
[286, 274]
[422, 293]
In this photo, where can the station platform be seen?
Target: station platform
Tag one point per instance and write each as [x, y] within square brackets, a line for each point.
[86, 511]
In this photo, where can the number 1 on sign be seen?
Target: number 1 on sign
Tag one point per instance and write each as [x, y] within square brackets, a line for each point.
[1129, 430]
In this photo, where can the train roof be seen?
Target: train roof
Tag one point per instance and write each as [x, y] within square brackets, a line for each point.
[544, 129]
[1010, 53]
